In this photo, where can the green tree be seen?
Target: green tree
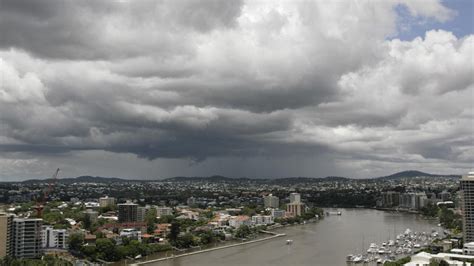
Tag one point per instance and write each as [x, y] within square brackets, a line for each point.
[166, 219]
[75, 241]
[243, 231]
[151, 220]
[174, 232]
[106, 249]
[185, 241]
[89, 251]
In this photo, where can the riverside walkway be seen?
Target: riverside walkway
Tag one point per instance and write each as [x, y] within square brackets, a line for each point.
[274, 235]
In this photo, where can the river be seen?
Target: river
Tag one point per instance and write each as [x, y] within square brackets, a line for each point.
[326, 242]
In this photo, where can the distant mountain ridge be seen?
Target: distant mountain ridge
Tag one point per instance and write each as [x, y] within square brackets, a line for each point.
[414, 173]
[219, 178]
[83, 179]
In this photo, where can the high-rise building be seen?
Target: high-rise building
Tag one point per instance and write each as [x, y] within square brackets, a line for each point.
[390, 199]
[271, 201]
[295, 209]
[27, 238]
[142, 212]
[467, 206]
[295, 198]
[54, 238]
[105, 202]
[90, 215]
[127, 212]
[420, 200]
[6, 230]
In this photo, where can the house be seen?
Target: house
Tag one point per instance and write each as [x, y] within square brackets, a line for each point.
[237, 221]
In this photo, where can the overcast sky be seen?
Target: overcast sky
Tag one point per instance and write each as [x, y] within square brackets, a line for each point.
[153, 89]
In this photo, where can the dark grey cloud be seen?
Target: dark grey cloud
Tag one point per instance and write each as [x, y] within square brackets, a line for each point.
[94, 30]
[214, 81]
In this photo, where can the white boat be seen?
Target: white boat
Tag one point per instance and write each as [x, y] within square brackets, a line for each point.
[289, 241]
[372, 250]
[357, 258]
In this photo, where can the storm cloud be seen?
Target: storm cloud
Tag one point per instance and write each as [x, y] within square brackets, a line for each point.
[325, 86]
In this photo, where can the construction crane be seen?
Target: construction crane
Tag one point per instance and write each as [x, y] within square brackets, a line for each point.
[41, 201]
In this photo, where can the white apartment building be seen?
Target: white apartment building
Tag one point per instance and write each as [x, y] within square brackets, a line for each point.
[54, 238]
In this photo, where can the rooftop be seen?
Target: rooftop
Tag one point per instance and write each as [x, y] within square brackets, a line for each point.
[469, 176]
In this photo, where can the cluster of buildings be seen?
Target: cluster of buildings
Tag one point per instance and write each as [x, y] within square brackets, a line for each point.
[412, 200]
[454, 256]
[294, 208]
[271, 203]
[24, 237]
[28, 237]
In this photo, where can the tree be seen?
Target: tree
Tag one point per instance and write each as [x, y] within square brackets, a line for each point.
[206, 237]
[89, 251]
[166, 219]
[174, 232]
[430, 210]
[185, 241]
[150, 220]
[75, 241]
[243, 231]
[106, 249]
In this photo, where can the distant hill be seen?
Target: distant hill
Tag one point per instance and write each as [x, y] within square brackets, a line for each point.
[414, 173]
[292, 180]
[219, 178]
[79, 179]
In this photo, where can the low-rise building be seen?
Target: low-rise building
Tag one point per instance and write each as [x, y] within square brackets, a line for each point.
[162, 211]
[238, 221]
[276, 213]
[468, 248]
[424, 259]
[262, 219]
[131, 233]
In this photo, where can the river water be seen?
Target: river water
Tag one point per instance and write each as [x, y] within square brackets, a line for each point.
[326, 242]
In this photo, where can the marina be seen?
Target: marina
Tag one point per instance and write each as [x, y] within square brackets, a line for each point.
[404, 244]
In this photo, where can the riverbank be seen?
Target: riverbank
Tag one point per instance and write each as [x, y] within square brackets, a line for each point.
[326, 242]
[396, 210]
[276, 230]
[187, 252]
[274, 235]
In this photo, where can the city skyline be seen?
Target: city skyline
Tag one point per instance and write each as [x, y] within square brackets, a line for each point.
[235, 88]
